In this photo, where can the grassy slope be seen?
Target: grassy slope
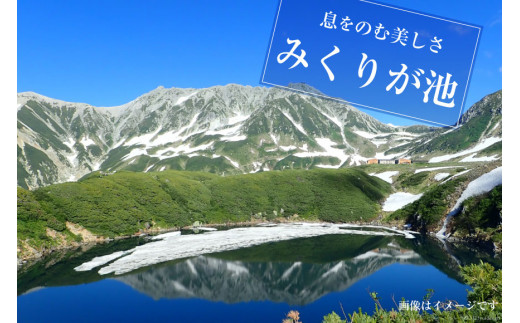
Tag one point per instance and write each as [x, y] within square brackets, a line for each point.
[123, 203]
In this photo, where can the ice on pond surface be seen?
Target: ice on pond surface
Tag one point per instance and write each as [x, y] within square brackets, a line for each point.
[206, 229]
[98, 261]
[171, 246]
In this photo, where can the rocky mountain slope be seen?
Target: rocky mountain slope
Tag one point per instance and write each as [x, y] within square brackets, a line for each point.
[230, 129]
[222, 129]
[478, 138]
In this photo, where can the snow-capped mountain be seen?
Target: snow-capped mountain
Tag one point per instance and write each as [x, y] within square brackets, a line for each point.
[222, 129]
[225, 129]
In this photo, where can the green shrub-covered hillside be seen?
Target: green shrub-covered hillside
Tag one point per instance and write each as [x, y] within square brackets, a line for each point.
[124, 202]
[481, 217]
[33, 223]
[426, 213]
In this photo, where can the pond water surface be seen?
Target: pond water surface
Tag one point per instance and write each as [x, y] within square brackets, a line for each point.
[260, 283]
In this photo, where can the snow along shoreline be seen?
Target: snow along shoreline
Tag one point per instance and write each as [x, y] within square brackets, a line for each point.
[172, 245]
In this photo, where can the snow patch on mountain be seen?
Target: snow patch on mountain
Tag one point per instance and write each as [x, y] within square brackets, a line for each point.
[440, 176]
[379, 142]
[72, 158]
[238, 118]
[480, 146]
[86, 141]
[433, 168]
[456, 175]
[386, 176]
[181, 149]
[481, 185]
[234, 138]
[154, 139]
[70, 143]
[496, 125]
[183, 99]
[234, 163]
[174, 135]
[365, 134]
[144, 140]
[472, 158]
[135, 152]
[356, 160]
[296, 124]
[274, 138]
[401, 134]
[288, 148]
[229, 131]
[398, 200]
[330, 151]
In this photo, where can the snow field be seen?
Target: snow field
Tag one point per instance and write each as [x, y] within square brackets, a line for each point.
[386, 176]
[397, 200]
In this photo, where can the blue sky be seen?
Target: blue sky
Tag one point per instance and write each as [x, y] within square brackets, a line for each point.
[109, 52]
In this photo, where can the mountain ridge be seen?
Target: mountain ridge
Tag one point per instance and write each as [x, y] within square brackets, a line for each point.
[60, 141]
[222, 129]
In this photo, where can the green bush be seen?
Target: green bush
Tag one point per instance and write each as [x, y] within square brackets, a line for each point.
[487, 288]
[485, 281]
[121, 203]
[332, 318]
[54, 224]
[481, 212]
[414, 179]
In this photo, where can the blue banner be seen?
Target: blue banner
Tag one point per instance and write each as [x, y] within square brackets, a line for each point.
[373, 55]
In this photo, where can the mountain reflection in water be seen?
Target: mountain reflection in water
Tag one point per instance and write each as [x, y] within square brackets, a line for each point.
[294, 283]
